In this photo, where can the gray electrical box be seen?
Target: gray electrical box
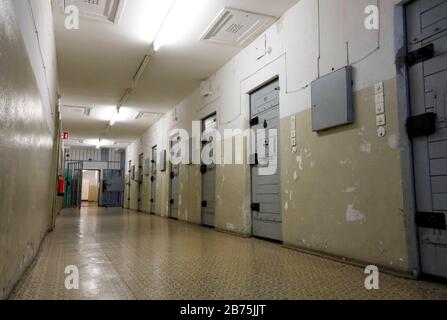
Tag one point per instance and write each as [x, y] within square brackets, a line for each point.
[332, 104]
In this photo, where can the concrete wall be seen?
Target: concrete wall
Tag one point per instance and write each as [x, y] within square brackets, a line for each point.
[27, 134]
[341, 193]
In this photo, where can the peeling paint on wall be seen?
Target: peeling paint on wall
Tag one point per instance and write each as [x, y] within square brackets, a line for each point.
[230, 227]
[350, 190]
[365, 146]
[329, 206]
[393, 141]
[295, 176]
[353, 215]
[299, 159]
[345, 162]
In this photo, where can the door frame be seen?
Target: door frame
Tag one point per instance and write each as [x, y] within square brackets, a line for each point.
[274, 70]
[140, 183]
[129, 184]
[152, 163]
[202, 121]
[275, 78]
[170, 140]
[99, 182]
[406, 150]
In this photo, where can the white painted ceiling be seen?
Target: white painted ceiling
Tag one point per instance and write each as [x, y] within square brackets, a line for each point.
[97, 62]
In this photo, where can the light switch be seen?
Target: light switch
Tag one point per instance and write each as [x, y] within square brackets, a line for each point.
[293, 142]
[293, 122]
[380, 98]
[380, 120]
[379, 87]
[293, 134]
[380, 108]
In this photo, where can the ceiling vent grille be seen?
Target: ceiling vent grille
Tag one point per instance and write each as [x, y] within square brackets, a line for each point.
[77, 110]
[236, 27]
[102, 10]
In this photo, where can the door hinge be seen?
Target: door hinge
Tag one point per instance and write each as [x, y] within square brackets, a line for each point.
[152, 179]
[152, 200]
[254, 159]
[204, 204]
[431, 220]
[203, 169]
[420, 55]
[254, 121]
[172, 201]
[256, 207]
[421, 125]
[172, 175]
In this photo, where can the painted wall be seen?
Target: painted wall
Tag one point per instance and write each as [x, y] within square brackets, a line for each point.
[341, 193]
[27, 126]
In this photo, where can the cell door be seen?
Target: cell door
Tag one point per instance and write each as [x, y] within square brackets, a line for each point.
[140, 181]
[208, 170]
[112, 188]
[427, 68]
[154, 180]
[174, 176]
[265, 180]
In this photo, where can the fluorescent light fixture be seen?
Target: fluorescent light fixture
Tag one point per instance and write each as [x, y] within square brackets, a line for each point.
[115, 117]
[125, 97]
[141, 69]
[158, 41]
[143, 18]
[157, 45]
[179, 22]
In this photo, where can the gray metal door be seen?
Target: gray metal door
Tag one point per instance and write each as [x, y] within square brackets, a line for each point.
[427, 67]
[154, 180]
[174, 176]
[140, 181]
[112, 188]
[129, 184]
[208, 170]
[265, 180]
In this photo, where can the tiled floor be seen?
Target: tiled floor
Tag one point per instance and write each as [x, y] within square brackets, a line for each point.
[125, 255]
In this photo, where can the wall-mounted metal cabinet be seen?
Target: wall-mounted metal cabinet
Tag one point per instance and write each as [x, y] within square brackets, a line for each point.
[332, 104]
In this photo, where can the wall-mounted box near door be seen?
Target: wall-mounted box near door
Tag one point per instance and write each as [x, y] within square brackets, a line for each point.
[332, 104]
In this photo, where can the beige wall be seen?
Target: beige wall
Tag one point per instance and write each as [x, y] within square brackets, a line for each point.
[28, 161]
[341, 193]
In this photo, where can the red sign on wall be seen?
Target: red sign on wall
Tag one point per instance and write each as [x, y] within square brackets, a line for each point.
[64, 136]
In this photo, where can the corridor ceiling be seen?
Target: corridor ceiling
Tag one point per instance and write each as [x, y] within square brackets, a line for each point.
[97, 62]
